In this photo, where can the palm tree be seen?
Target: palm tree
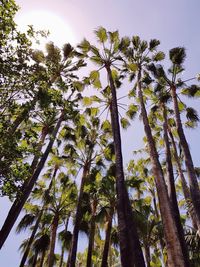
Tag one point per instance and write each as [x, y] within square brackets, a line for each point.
[106, 57]
[177, 57]
[139, 56]
[185, 188]
[84, 153]
[108, 193]
[63, 197]
[28, 186]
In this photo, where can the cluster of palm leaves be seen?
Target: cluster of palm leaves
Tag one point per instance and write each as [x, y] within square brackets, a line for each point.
[61, 159]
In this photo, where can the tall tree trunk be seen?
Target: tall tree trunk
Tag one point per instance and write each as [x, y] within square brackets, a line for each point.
[63, 246]
[31, 239]
[147, 255]
[19, 202]
[35, 259]
[130, 249]
[173, 246]
[62, 256]
[78, 217]
[172, 189]
[160, 235]
[54, 228]
[186, 191]
[42, 258]
[104, 262]
[91, 235]
[193, 183]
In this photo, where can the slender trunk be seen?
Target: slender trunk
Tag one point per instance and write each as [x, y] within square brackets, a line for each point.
[104, 262]
[78, 218]
[19, 203]
[160, 235]
[186, 191]
[92, 233]
[31, 239]
[62, 256]
[35, 259]
[54, 228]
[130, 249]
[173, 246]
[63, 246]
[147, 255]
[172, 189]
[193, 183]
[42, 258]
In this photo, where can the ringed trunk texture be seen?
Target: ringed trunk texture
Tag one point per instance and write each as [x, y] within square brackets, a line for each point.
[104, 262]
[193, 183]
[78, 217]
[54, 228]
[172, 189]
[130, 249]
[19, 202]
[186, 191]
[173, 246]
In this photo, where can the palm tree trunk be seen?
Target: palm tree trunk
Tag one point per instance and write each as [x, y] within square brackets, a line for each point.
[92, 233]
[19, 203]
[130, 249]
[54, 228]
[186, 191]
[104, 262]
[35, 260]
[193, 183]
[147, 255]
[42, 258]
[172, 189]
[78, 217]
[62, 256]
[31, 239]
[173, 246]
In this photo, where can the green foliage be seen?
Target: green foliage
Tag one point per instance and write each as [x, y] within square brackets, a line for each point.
[177, 55]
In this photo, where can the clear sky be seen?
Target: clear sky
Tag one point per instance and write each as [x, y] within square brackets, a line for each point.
[173, 22]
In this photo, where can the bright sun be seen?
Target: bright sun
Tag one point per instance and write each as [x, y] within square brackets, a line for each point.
[60, 32]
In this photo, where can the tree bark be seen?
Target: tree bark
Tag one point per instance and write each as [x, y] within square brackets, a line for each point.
[172, 189]
[92, 233]
[104, 262]
[63, 245]
[19, 202]
[31, 239]
[193, 183]
[147, 255]
[42, 259]
[130, 249]
[78, 218]
[186, 191]
[54, 228]
[173, 246]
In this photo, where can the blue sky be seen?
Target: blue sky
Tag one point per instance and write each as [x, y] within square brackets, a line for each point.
[173, 22]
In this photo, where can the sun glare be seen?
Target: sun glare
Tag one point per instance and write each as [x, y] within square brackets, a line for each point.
[60, 32]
